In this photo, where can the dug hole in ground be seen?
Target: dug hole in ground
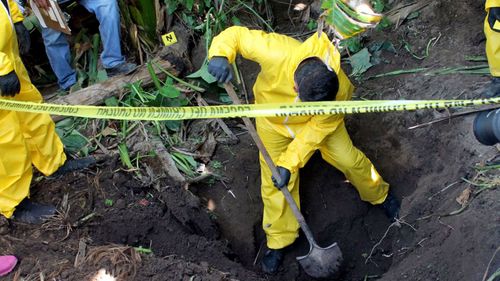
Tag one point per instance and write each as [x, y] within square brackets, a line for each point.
[450, 206]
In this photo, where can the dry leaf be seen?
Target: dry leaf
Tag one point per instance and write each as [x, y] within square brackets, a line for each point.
[464, 196]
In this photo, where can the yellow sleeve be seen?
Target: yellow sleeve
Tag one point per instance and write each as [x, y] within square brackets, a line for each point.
[254, 45]
[492, 3]
[5, 64]
[15, 14]
[308, 141]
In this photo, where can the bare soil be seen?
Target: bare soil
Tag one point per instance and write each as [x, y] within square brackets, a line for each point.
[425, 167]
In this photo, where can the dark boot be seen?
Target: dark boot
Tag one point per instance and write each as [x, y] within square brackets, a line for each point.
[493, 89]
[33, 213]
[391, 207]
[125, 68]
[272, 260]
[74, 165]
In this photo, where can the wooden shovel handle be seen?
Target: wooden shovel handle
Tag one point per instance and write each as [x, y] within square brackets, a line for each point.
[260, 145]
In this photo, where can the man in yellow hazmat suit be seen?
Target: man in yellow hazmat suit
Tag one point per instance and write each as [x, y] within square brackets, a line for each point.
[25, 138]
[293, 72]
[492, 32]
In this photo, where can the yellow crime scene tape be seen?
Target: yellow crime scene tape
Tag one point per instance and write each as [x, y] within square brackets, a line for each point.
[231, 111]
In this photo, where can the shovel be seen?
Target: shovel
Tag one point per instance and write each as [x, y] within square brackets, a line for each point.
[319, 262]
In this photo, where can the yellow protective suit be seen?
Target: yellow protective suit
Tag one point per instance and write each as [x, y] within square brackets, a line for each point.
[25, 138]
[492, 40]
[291, 141]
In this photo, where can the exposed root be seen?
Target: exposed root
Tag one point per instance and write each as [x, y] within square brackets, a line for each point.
[397, 223]
[121, 260]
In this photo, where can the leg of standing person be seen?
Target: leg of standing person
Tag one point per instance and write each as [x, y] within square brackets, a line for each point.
[108, 15]
[58, 52]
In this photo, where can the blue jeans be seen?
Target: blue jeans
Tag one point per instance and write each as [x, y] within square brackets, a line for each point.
[57, 46]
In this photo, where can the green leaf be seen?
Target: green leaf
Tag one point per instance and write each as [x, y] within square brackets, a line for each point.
[378, 5]
[74, 142]
[189, 5]
[353, 44]
[112, 101]
[224, 98]
[136, 15]
[235, 20]
[360, 62]
[171, 6]
[169, 91]
[203, 74]
[312, 24]
[173, 125]
[124, 156]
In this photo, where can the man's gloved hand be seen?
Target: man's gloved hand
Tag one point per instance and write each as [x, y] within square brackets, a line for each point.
[493, 89]
[493, 17]
[284, 175]
[9, 84]
[220, 69]
[23, 38]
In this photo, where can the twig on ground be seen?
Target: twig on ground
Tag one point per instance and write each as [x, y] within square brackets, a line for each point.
[258, 253]
[452, 116]
[221, 123]
[443, 190]
[489, 264]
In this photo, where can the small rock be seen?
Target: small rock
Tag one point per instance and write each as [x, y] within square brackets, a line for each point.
[120, 204]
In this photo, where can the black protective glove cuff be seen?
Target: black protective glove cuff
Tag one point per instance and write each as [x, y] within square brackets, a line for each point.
[493, 17]
[219, 68]
[284, 175]
[9, 84]
[23, 38]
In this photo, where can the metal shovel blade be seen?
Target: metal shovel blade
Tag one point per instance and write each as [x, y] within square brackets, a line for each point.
[321, 262]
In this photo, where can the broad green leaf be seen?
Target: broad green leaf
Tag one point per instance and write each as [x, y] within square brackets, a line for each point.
[112, 101]
[353, 44]
[189, 5]
[173, 125]
[360, 62]
[203, 74]
[169, 91]
[74, 142]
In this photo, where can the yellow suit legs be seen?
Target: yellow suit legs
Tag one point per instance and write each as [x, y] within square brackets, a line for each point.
[492, 48]
[15, 164]
[279, 223]
[25, 139]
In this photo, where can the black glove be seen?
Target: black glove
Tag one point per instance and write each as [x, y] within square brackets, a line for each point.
[493, 89]
[493, 16]
[9, 84]
[285, 177]
[23, 38]
[220, 69]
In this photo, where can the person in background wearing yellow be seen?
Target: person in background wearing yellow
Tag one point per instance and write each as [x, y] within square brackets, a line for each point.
[294, 72]
[25, 138]
[492, 32]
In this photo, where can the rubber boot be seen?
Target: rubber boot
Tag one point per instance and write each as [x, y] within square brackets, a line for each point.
[272, 260]
[391, 207]
[492, 89]
[7, 264]
[74, 165]
[33, 213]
